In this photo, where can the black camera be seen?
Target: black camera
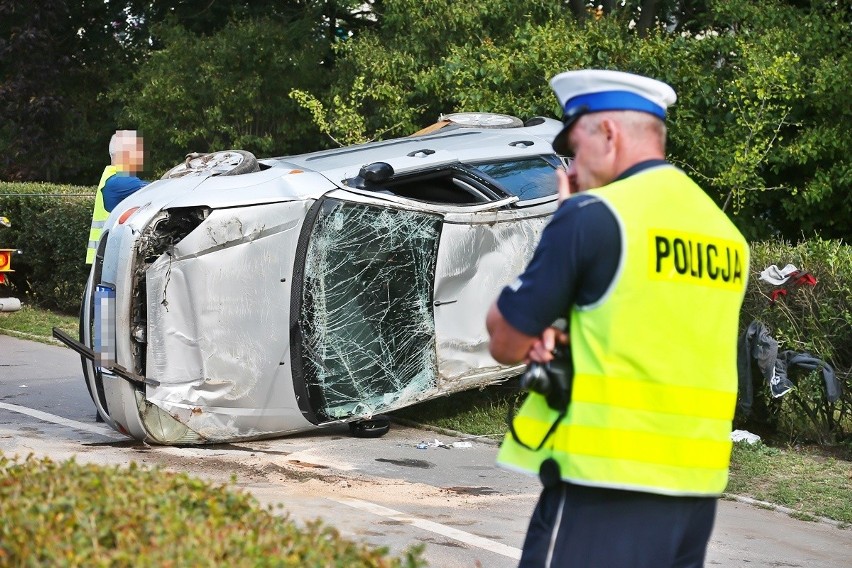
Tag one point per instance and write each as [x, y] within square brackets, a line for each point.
[551, 380]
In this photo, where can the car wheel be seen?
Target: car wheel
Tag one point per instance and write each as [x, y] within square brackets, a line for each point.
[483, 120]
[375, 427]
[224, 163]
[535, 121]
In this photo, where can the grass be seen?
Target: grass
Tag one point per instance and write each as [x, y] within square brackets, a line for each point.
[808, 480]
[812, 481]
[37, 324]
[480, 412]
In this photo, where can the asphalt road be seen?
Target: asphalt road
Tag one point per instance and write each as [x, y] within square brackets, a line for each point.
[386, 491]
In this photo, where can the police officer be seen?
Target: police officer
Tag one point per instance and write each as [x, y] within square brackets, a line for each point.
[650, 275]
[127, 158]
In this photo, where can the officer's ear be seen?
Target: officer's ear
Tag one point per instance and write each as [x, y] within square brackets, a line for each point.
[610, 129]
[607, 131]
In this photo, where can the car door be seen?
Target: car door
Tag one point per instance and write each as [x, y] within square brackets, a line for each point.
[479, 253]
[363, 338]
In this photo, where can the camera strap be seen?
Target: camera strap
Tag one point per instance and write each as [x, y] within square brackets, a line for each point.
[549, 472]
[510, 419]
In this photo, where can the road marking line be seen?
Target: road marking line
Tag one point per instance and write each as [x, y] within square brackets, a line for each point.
[109, 433]
[444, 530]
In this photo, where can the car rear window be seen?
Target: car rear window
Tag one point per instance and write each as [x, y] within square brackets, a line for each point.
[528, 178]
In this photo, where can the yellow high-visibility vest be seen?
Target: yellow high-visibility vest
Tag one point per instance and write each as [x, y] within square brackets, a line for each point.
[99, 215]
[655, 380]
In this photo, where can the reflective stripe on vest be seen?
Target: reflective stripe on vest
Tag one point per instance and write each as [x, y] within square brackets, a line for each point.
[655, 358]
[99, 215]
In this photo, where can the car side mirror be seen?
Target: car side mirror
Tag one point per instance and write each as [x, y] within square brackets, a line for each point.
[374, 173]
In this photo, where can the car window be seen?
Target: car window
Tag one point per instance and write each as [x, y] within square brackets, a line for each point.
[366, 322]
[441, 186]
[528, 179]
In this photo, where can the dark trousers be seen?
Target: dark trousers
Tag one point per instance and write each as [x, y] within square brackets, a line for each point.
[589, 527]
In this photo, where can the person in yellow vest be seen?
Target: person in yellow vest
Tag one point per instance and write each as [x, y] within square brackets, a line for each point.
[629, 431]
[127, 158]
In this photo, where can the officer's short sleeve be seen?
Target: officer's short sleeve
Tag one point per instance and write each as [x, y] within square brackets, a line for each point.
[574, 263]
[118, 187]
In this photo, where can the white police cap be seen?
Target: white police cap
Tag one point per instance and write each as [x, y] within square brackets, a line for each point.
[595, 90]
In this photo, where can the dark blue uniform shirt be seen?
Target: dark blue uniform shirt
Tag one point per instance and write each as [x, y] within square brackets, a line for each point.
[118, 187]
[574, 263]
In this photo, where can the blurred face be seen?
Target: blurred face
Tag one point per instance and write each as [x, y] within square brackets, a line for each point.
[591, 142]
[131, 154]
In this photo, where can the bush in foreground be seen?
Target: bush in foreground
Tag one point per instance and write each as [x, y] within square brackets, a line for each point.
[71, 514]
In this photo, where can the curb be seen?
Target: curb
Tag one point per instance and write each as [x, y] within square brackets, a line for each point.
[485, 439]
[30, 337]
[786, 510]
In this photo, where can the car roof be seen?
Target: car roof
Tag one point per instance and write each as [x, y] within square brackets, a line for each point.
[447, 145]
[326, 170]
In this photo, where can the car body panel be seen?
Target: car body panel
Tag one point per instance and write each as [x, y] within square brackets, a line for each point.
[475, 260]
[221, 303]
[273, 302]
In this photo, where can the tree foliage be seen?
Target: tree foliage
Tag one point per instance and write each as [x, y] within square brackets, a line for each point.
[761, 120]
[57, 59]
[226, 90]
[34, 62]
[761, 116]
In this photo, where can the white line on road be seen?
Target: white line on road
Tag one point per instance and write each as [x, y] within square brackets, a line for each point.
[109, 433]
[444, 530]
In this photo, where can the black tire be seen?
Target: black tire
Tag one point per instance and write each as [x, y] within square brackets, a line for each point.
[243, 163]
[375, 427]
[249, 165]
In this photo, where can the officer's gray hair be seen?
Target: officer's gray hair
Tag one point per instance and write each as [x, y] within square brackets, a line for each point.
[635, 123]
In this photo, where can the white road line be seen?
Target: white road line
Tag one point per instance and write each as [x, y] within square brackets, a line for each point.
[108, 432]
[444, 530]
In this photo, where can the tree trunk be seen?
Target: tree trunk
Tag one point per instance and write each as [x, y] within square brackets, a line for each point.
[647, 17]
[578, 8]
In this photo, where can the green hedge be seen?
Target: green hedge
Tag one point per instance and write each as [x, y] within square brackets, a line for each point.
[70, 514]
[50, 225]
[816, 320]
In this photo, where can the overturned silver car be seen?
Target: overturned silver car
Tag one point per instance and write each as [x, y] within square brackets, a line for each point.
[239, 298]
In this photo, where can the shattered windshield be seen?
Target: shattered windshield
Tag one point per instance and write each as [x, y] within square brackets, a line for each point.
[528, 179]
[368, 330]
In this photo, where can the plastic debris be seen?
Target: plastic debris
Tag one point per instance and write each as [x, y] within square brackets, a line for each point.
[436, 443]
[777, 276]
[740, 435]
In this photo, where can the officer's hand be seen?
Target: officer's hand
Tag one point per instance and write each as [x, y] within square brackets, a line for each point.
[565, 184]
[542, 350]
